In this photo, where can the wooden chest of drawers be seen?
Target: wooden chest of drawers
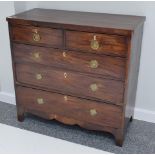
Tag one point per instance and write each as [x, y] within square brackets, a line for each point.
[78, 68]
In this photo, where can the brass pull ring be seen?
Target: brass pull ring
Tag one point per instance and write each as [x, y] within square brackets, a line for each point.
[40, 100]
[39, 76]
[94, 87]
[94, 63]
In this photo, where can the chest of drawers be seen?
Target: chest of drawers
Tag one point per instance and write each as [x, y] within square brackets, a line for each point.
[78, 68]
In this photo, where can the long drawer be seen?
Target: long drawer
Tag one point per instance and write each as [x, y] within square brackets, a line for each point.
[69, 107]
[37, 35]
[71, 82]
[97, 43]
[97, 65]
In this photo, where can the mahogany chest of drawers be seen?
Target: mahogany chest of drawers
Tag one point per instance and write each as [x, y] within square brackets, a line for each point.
[78, 68]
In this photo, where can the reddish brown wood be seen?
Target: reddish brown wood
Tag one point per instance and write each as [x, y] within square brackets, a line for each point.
[20, 113]
[71, 32]
[108, 44]
[119, 136]
[73, 107]
[50, 37]
[111, 67]
[71, 121]
[74, 83]
[132, 71]
[82, 21]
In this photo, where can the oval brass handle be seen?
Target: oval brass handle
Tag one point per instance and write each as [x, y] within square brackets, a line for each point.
[39, 76]
[94, 63]
[36, 37]
[93, 112]
[93, 87]
[40, 100]
[94, 43]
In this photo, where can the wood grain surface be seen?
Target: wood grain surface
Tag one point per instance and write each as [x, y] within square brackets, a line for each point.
[75, 83]
[49, 37]
[108, 44]
[75, 108]
[112, 67]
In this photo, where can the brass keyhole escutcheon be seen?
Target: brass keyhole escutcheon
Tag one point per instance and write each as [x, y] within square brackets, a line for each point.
[65, 98]
[36, 37]
[64, 54]
[94, 63]
[39, 76]
[36, 55]
[40, 100]
[94, 43]
[65, 75]
[93, 112]
[94, 87]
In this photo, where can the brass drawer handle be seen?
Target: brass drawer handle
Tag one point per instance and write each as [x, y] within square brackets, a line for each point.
[36, 37]
[40, 100]
[65, 98]
[93, 112]
[65, 75]
[39, 76]
[94, 87]
[94, 63]
[94, 43]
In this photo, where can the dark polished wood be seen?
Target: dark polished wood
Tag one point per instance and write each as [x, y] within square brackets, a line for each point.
[73, 107]
[83, 21]
[75, 67]
[74, 83]
[24, 34]
[20, 113]
[108, 44]
[111, 67]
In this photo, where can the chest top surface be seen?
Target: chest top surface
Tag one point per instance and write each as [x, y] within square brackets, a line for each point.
[125, 22]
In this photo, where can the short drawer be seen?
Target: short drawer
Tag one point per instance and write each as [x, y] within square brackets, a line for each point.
[38, 35]
[97, 43]
[53, 104]
[69, 82]
[113, 67]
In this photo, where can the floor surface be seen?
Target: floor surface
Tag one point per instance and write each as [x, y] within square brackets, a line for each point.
[15, 140]
[140, 137]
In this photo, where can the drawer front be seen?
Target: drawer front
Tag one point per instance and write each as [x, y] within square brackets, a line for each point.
[70, 107]
[71, 82]
[89, 63]
[38, 35]
[98, 43]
